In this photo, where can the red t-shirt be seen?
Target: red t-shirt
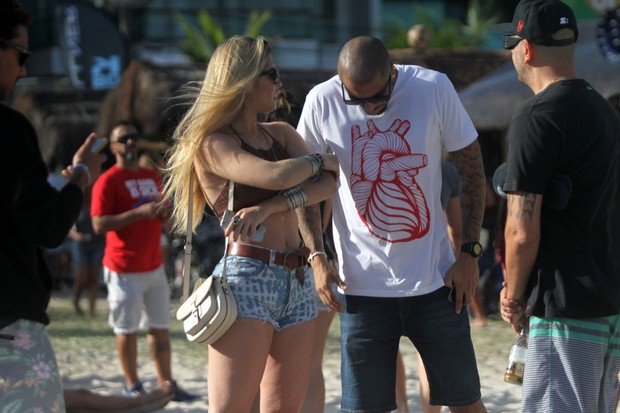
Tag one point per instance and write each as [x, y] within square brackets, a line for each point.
[136, 247]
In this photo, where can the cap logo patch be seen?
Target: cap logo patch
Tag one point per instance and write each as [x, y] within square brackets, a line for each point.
[563, 20]
[520, 25]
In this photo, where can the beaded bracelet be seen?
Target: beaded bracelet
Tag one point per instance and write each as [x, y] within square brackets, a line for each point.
[295, 197]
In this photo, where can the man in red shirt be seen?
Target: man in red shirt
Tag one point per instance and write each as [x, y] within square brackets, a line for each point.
[125, 206]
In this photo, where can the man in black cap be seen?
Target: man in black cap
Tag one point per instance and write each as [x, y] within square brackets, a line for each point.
[562, 276]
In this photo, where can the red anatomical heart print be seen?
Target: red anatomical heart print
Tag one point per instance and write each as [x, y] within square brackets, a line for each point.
[383, 183]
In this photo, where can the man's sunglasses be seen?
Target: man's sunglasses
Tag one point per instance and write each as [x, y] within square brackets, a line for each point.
[273, 74]
[378, 98]
[511, 41]
[23, 52]
[125, 138]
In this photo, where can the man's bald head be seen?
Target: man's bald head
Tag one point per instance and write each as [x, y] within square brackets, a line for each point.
[362, 59]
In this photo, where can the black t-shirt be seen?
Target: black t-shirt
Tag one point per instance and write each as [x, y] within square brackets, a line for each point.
[32, 214]
[570, 128]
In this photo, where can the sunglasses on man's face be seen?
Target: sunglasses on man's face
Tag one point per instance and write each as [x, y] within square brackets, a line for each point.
[22, 52]
[125, 138]
[378, 98]
[511, 41]
[273, 74]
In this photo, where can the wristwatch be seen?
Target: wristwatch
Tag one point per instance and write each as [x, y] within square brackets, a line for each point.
[474, 248]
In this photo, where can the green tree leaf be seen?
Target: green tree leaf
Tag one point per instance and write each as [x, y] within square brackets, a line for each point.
[200, 41]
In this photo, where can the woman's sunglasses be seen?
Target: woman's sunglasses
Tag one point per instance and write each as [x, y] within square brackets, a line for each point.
[23, 53]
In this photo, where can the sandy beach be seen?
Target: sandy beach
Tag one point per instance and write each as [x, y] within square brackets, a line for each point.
[87, 358]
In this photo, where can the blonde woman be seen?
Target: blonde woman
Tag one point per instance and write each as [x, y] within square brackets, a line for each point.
[219, 140]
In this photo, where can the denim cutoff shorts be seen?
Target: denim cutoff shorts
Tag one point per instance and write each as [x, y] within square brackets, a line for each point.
[269, 292]
[371, 328]
[87, 254]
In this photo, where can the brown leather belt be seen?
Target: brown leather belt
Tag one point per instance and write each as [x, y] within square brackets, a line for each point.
[290, 260]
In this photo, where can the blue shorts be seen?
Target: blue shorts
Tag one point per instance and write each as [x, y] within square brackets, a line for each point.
[87, 254]
[269, 292]
[371, 328]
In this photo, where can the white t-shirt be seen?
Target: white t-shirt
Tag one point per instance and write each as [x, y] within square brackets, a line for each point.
[389, 228]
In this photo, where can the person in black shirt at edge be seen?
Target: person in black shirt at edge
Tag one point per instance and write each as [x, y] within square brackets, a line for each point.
[562, 269]
[33, 215]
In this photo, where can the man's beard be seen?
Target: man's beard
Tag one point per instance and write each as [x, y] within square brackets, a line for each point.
[130, 156]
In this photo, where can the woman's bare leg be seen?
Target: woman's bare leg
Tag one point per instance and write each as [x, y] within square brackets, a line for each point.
[287, 373]
[236, 365]
[93, 287]
[314, 402]
[81, 280]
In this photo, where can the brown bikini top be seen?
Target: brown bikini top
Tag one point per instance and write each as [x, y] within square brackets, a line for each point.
[249, 195]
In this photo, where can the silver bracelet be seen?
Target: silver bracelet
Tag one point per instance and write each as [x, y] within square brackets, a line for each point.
[321, 161]
[318, 163]
[295, 197]
[315, 254]
[85, 169]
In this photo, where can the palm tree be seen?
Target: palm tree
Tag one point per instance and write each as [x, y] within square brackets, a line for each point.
[449, 33]
[201, 41]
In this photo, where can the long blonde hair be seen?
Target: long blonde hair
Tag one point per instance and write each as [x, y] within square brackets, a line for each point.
[231, 72]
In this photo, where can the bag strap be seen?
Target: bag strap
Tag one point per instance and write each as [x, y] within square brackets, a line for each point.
[187, 262]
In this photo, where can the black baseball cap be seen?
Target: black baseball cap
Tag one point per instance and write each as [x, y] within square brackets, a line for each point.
[537, 21]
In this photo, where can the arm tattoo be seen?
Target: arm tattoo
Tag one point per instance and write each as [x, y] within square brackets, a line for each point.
[468, 162]
[309, 218]
[522, 206]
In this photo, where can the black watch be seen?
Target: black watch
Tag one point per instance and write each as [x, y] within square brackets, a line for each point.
[474, 248]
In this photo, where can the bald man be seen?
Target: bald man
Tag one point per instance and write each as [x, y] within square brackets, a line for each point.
[389, 124]
[562, 268]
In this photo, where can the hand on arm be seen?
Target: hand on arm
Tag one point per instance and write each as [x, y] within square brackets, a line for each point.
[331, 164]
[463, 275]
[251, 217]
[522, 235]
